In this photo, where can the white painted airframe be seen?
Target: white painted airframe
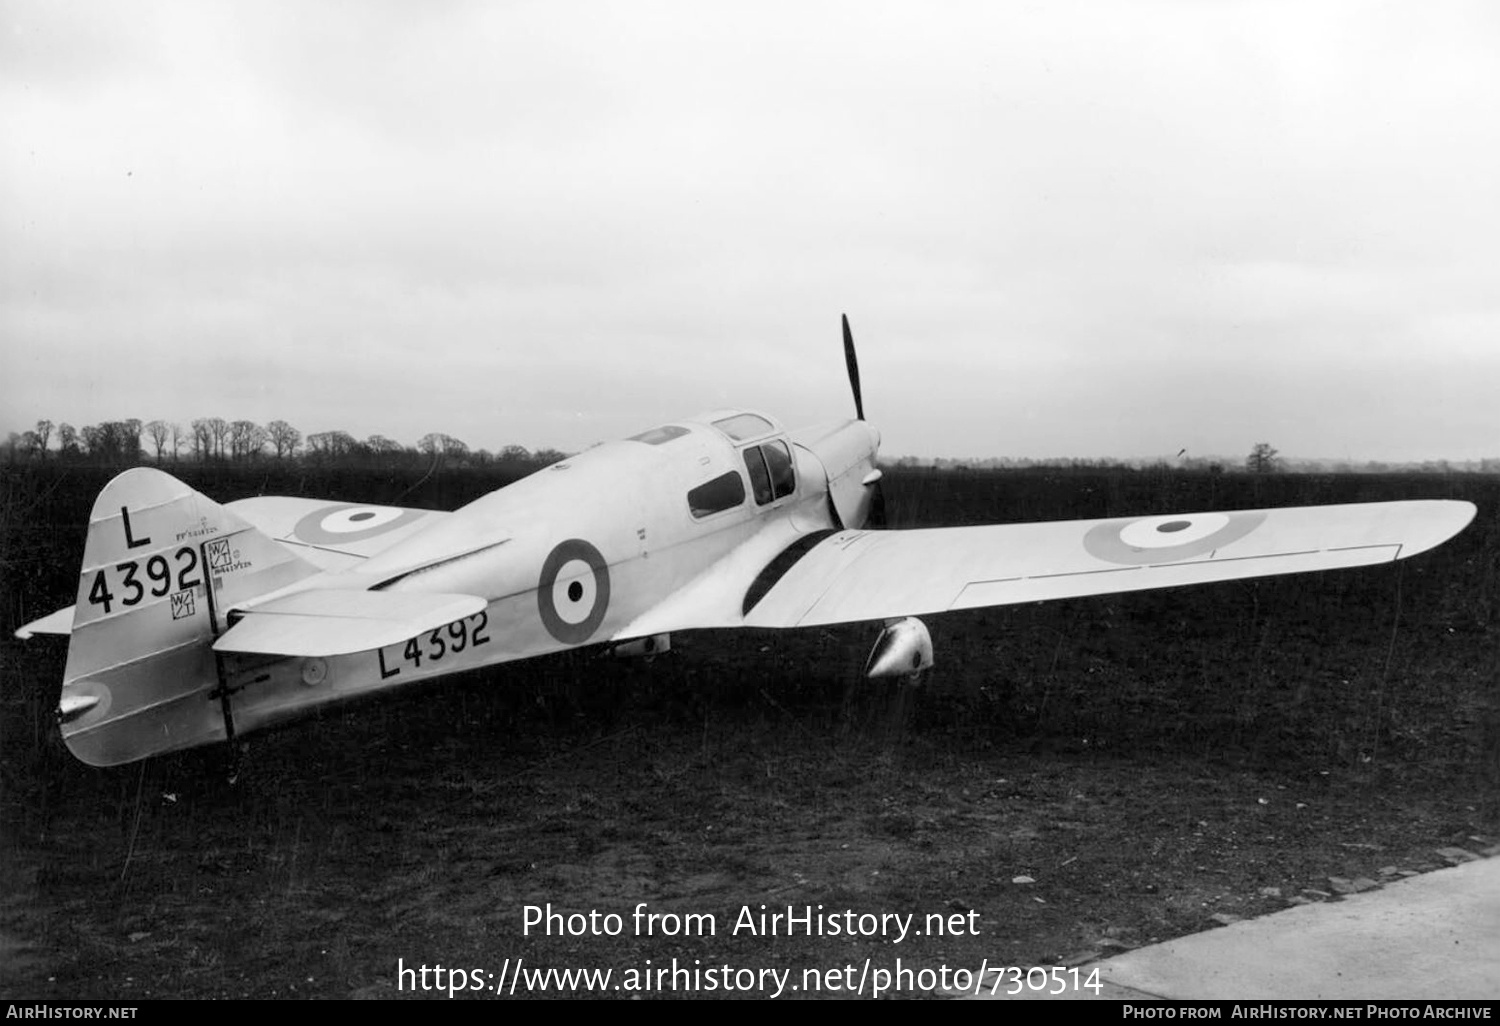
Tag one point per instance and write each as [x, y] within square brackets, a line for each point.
[196, 622]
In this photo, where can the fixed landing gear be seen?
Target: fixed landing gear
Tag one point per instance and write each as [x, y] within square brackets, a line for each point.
[904, 649]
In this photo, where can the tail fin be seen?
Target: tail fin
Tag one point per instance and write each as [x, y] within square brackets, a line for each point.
[161, 564]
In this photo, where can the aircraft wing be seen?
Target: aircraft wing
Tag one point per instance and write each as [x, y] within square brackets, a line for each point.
[870, 575]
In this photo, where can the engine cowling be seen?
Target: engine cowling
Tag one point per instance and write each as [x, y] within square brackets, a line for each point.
[846, 451]
[903, 649]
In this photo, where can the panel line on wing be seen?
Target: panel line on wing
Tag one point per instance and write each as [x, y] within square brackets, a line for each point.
[1262, 555]
[437, 563]
[1085, 573]
[321, 548]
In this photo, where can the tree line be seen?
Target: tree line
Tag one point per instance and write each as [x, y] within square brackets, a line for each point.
[214, 439]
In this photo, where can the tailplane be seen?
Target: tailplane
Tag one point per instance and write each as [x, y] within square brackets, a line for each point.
[162, 565]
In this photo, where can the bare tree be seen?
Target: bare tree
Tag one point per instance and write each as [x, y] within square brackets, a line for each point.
[177, 436]
[159, 431]
[209, 437]
[43, 434]
[246, 439]
[382, 449]
[67, 440]
[130, 439]
[330, 444]
[1262, 459]
[439, 444]
[218, 429]
[284, 438]
[203, 440]
[113, 441]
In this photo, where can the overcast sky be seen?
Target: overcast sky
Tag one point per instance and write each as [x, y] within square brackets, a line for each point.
[1088, 229]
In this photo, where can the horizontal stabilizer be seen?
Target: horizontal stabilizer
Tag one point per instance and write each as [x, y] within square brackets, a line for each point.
[332, 622]
[333, 535]
[60, 622]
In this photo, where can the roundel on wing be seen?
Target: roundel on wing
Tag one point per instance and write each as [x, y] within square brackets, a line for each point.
[345, 523]
[573, 592]
[1167, 539]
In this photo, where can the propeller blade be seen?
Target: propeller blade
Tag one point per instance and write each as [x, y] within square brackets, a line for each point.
[853, 364]
[875, 516]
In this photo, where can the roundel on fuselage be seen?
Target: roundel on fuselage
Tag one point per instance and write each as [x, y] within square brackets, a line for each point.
[1167, 539]
[572, 594]
[344, 523]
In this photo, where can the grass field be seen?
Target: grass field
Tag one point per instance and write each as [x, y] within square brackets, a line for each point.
[1147, 761]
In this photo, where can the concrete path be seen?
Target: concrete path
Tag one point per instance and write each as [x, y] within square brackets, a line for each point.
[1434, 936]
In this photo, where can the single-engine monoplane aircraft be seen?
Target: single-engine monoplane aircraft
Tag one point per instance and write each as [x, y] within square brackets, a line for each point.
[196, 622]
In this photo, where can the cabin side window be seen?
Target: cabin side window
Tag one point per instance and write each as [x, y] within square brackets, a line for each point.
[723, 492]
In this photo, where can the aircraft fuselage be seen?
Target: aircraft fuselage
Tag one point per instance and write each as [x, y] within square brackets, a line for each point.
[607, 544]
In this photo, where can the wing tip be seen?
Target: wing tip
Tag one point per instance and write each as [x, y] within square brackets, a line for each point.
[1437, 521]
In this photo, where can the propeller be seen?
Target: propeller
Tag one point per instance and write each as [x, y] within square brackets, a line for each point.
[876, 516]
[852, 362]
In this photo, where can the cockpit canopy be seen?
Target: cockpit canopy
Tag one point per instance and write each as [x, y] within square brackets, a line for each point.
[745, 427]
[660, 435]
[766, 460]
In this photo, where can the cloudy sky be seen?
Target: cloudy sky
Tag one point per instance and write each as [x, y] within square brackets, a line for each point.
[1089, 229]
